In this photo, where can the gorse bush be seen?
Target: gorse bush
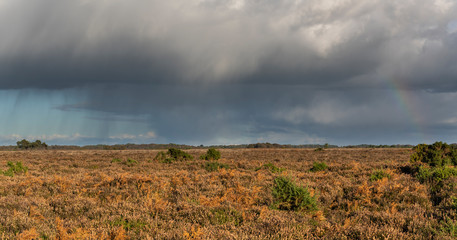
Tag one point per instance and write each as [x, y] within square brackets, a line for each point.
[179, 155]
[435, 175]
[379, 175]
[319, 166]
[444, 173]
[438, 157]
[433, 166]
[172, 155]
[424, 174]
[211, 154]
[438, 154]
[13, 169]
[214, 166]
[289, 196]
[271, 167]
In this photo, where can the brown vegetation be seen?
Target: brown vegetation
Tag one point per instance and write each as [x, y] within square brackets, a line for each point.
[104, 195]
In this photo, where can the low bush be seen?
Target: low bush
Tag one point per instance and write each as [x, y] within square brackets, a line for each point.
[13, 169]
[179, 155]
[289, 196]
[211, 154]
[435, 175]
[172, 155]
[438, 154]
[423, 174]
[379, 175]
[214, 166]
[319, 166]
[441, 174]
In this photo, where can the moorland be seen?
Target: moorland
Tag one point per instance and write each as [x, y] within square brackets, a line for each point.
[246, 194]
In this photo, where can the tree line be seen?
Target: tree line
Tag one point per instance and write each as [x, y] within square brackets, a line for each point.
[24, 144]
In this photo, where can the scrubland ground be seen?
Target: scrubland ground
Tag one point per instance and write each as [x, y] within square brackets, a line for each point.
[129, 195]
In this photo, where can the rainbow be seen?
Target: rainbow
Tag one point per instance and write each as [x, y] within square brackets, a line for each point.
[408, 101]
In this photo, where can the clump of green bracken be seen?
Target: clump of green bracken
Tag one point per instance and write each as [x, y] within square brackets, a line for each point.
[14, 168]
[289, 196]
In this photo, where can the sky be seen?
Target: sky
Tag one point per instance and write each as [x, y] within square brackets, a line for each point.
[228, 71]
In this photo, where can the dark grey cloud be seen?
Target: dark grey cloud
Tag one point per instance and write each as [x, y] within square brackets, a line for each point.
[242, 69]
[64, 44]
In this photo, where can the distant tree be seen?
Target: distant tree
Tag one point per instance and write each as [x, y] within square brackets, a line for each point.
[24, 144]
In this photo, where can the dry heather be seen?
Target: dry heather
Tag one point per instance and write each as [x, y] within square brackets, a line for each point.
[129, 195]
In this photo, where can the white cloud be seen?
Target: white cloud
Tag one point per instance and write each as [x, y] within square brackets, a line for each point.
[147, 135]
[123, 136]
[450, 121]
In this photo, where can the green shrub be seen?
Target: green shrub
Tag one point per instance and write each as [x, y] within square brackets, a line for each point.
[214, 166]
[378, 175]
[211, 154]
[424, 174]
[318, 149]
[436, 175]
[289, 196]
[13, 169]
[179, 155]
[172, 155]
[438, 154]
[319, 166]
[271, 167]
[441, 174]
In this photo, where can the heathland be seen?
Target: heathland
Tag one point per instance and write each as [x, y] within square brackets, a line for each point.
[246, 194]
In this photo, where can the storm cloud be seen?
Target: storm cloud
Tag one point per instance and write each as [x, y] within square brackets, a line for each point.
[211, 71]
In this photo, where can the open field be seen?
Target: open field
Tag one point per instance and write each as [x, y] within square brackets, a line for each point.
[104, 195]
